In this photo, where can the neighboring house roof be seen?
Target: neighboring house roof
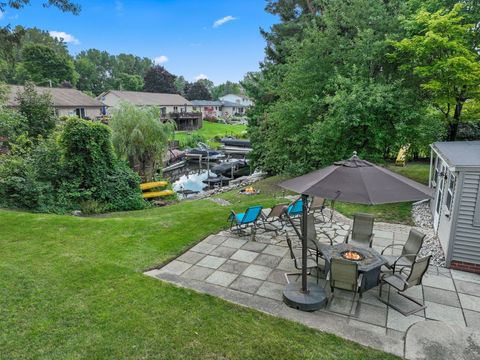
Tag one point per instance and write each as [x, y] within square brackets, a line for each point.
[207, 103]
[61, 97]
[236, 95]
[459, 153]
[147, 99]
[232, 104]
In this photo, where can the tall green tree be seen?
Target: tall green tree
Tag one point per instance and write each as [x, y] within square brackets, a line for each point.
[64, 5]
[159, 80]
[197, 91]
[228, 87]
[95, 69]
[140, 138]
[439, 50]
[38, 110]
[43, 66]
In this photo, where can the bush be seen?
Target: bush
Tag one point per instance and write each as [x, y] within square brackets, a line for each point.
[469, 131]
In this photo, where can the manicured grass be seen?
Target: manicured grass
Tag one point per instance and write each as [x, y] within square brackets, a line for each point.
[72, 288]
[210, 130]
[417, 171]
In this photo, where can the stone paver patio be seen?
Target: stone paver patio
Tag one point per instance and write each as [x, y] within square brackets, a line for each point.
[250, 272]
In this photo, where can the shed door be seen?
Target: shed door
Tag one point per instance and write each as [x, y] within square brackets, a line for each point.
[439, 195]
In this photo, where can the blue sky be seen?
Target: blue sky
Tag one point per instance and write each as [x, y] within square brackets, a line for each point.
[219, 39]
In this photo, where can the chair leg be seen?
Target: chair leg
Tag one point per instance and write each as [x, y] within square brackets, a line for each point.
[421, 305]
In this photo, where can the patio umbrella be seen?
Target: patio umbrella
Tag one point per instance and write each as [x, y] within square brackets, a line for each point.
[353, 180]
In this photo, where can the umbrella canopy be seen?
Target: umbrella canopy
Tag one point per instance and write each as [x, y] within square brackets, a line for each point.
[358, 181]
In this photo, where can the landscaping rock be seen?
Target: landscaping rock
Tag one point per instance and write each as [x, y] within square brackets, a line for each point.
[77, 213]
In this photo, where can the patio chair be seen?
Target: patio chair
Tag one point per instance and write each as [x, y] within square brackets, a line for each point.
[297, 262]
[344, 275]
[313, 244]
[242, 221]
[317, 205]
[409, 251]
[362, 230]
[295, 209]
[273, 220]
[402, 283]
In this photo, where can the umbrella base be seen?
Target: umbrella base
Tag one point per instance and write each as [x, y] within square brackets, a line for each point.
[314, 299]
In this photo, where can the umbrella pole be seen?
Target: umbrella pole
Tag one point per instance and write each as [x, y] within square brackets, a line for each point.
[304, 242]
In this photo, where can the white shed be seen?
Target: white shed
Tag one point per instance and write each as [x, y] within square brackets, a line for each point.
[455, 176]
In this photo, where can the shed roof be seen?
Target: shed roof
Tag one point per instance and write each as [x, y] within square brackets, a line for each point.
[147, 98]
[61, 97]
[459, 154]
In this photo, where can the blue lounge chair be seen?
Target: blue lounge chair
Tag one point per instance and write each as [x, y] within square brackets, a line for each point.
[242, 221]
[295, 209]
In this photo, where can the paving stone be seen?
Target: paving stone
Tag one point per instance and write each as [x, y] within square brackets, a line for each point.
[441, 296]
[470, 302]
[254, 246]
[340, 305]
[381, 242]
[257, 271]
[444, 313]
[395, 299]
[221, 278]
[438, 281]
[246, 284]
[372, 314]
[267, 260]
[232, 266]
[362, 326]
[175, 267]
[467, 287]
[399, 322]
[191, 257]
[244, 255]
[215, 239]
[204, 248]
[415, 292]
[431, 340]
[371, 297]
[223, 251]
[383, 234]
[153, 273]
[271, 290]
[287, 264]
[472, 318]
[277, 276]
[234, 243]
[275, 250]
[213, 262]
[197, 273]
[465, 276]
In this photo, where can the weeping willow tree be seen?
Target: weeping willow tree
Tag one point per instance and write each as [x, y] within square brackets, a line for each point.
[140, 137]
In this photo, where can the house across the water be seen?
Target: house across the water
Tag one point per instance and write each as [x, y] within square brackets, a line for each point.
[455, 176]
[172, 106]
[220, 109]
[67, 102]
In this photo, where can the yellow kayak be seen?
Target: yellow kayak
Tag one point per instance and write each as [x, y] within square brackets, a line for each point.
[154, 194]
[152, 185]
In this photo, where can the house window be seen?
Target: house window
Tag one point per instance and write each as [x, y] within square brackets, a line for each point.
[80, 112]
[194, 108]
[175, 109]
[451, 192]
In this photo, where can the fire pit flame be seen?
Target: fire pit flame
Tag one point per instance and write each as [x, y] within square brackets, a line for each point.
[352, 255]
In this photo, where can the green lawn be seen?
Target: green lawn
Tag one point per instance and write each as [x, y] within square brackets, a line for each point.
[396, 213]
[209, 131]
[73, 288]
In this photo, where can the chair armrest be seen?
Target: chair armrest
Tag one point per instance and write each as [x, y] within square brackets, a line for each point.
[389, 246]
[345, 240]
[371, 240]
[403, 256]
[232, 217]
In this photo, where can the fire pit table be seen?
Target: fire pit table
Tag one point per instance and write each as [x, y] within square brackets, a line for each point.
[369, 261]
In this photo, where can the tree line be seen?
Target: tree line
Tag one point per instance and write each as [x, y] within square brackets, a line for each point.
[32, 55]
[363, 75]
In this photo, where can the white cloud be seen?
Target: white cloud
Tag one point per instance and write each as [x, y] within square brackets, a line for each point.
[201, 77]
[223, 20]
[68, 38]
[160, 59]
[1, 15]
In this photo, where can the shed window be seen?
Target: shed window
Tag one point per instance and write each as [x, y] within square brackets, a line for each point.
[436, 172]
[451, 192]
